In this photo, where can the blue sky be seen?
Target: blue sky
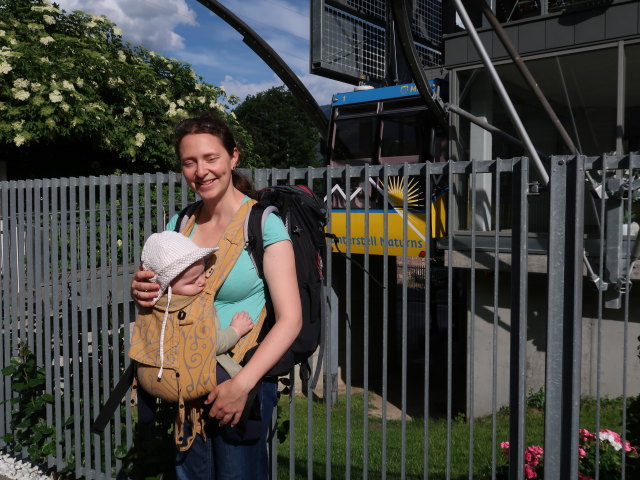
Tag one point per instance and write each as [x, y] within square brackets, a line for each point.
[186, 30]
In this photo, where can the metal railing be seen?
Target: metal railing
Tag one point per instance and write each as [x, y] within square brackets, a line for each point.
[424, 355]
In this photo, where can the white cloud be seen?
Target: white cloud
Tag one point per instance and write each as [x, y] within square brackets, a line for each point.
[290, 18]
[242, 87]
[147, 22]
[322, 89]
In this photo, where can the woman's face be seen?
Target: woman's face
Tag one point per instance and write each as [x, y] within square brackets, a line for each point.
[206, 165]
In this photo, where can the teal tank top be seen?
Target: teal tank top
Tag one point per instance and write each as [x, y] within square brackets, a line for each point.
[243, 289]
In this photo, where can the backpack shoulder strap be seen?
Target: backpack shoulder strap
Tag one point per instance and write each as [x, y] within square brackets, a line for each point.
[254, 233]
[184, 214]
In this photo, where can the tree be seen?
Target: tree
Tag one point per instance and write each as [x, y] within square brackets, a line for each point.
[283, 135]
[75, 99]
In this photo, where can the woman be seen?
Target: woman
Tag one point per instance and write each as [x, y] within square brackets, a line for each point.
[208, 157]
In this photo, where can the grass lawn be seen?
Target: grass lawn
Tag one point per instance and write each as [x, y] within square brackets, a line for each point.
[341, 459]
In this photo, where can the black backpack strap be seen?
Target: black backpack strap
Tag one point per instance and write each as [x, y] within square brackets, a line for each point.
[184, 214]
[113, 402]
[253, 233]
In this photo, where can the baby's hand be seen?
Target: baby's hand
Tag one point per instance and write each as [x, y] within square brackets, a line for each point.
[242, 323]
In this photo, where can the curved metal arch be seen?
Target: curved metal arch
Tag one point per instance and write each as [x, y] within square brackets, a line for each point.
[273, 60]
[401, 17]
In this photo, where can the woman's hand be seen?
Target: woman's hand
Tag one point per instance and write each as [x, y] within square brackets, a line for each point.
[143, 291]
[227, 401]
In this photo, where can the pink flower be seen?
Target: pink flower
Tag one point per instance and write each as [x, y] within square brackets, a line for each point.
[583, 477]
[586, 435]
[504, 445]
[529, 472]
[582, 452]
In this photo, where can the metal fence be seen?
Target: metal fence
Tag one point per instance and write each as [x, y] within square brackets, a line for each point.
[430, 362]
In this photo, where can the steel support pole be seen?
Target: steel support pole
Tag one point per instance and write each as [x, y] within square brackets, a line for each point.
[564, 317]
[515, 118]
[526, 74]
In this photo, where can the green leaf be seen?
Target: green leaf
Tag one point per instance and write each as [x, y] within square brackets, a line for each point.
[120, 451]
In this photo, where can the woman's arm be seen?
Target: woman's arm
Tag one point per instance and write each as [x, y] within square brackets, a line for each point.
[229, 397]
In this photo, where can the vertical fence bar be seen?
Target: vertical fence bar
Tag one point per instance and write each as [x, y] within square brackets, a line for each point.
[496, 319]
[20, 326]
[404, 347]
[328, 332]
[65, 289]
[347, 324]
[27, 253]
[428, 191]
[367, 283]
[309, 393]
[627, 289]
[83, 306]
[6, 225]
[38, 262]
[450, 228]
[472, 318]
[107, 301]
[518, 341]
[46, 287]
[57, 296]
[385, 319]
[601, 302]
[126, 188]
[92, 309]
[75, 337]
[562, 386]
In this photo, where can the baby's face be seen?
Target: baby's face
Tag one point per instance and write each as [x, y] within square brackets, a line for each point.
[190, 281]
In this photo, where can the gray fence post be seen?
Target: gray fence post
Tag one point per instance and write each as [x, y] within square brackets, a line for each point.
[518, 340]
[564, 318]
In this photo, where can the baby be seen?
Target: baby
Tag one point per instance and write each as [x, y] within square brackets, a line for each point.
[172, 334]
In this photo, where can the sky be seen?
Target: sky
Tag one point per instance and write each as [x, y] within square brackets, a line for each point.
[189, 32]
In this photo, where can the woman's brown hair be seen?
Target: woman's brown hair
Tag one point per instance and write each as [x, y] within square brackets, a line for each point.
[212, 124]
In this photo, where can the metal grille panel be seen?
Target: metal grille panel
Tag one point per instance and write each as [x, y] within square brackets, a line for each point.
[352, 45]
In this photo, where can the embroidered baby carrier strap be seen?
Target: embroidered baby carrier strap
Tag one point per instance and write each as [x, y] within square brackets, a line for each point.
[230, 248]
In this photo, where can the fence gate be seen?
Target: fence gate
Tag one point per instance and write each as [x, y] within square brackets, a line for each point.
[465, 307]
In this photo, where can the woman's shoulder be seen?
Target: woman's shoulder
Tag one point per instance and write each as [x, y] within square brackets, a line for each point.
[274, 230]
[171, 224]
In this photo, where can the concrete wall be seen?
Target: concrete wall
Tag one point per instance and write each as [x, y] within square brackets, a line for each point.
[611, 344]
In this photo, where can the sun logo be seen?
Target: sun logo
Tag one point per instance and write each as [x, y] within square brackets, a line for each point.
[396, 192]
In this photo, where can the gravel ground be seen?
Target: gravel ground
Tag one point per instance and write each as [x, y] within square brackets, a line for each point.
[13, 469]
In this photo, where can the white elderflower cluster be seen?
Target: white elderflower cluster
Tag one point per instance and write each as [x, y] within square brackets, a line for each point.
[48, 19]
[117, 31]
[56, 96]
[121, 56]
[17, 125]
[19, 139]
[46, 8]
[126, 111]
[45, 60]
[35, 86]
[35, 26]
[5, 67]
[21, 83]
[46, 40]
[68, 85]
[140, 138]
[80, 82]
[20, 94]
[2, 33]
